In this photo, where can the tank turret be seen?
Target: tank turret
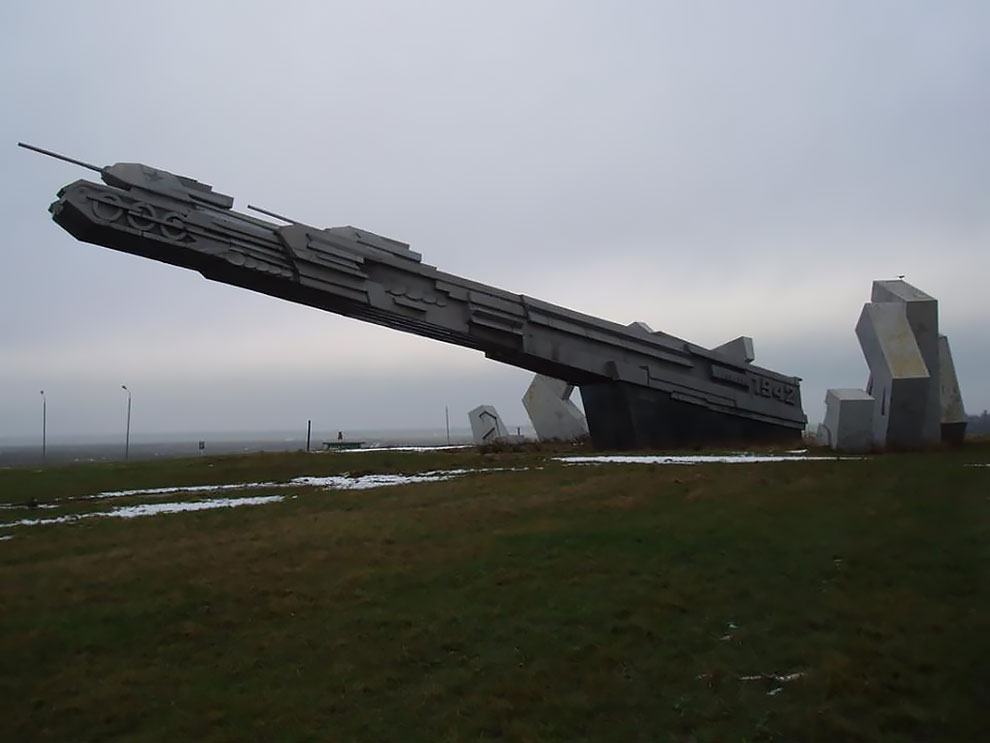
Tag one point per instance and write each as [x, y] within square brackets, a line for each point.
[130, 176]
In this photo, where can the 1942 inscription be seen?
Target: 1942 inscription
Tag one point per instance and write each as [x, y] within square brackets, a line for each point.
[758, 385]
[764, 387]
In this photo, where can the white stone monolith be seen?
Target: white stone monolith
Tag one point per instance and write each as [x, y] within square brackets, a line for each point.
[554, 416]
[915, 392]
[953, 413]
[486, 425]
[899, 378]
[921, 311]
[848, 422]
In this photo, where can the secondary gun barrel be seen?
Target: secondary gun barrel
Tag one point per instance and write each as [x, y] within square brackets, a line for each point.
[640, 388]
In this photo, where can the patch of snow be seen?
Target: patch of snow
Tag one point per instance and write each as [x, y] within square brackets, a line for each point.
[172, 489]
[366, 482]
[977, 465]
[22, 506]
[150, 509]
[740, 458]
[405, 448]
[779, 678]
[42, 522]
[330, 482]
[4, 539]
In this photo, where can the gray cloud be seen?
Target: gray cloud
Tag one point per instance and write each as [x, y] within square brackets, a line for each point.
[711, 168]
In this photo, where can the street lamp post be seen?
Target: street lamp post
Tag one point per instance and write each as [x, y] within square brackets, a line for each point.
[127, 435]
[44, 427]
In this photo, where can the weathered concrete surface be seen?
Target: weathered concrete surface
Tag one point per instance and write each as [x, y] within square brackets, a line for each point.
[152, 213]
[554, 416]
[915, 392]
[899, 378]
[848, 422]
[642, 327]
[628, 416]
[953, 413]
[922, 316]
[740, 348]
[486, 425]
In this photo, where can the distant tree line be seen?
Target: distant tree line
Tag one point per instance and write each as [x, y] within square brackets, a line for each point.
[979, 425]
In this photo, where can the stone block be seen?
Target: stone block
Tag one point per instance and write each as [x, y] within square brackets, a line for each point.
[740, 349]
[953, 413]
[486, 425]
[922, 316]
[899, 377]
[848, 422]
[641, 326]
[554, 416]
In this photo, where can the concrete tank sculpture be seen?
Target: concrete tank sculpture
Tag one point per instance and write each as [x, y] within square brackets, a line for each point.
[553, 415]
[640, 388]
[912, 394]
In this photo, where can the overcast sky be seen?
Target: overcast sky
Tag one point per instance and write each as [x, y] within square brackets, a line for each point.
[712, 169]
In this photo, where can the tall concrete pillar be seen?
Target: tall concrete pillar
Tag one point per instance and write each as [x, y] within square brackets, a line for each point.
[899, 379]
[921, 311]
[953, 414]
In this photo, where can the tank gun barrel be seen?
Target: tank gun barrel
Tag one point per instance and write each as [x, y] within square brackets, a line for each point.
[57, 156]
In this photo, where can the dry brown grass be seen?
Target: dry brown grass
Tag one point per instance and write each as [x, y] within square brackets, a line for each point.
[566, 603]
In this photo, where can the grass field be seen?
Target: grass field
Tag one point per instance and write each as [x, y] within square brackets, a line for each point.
[831, 600]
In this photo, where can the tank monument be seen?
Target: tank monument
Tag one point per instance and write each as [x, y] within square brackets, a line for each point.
[640, 388]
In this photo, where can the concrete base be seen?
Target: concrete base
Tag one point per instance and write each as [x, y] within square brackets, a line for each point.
[848, 422]
[554, 416]
[628, 416]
